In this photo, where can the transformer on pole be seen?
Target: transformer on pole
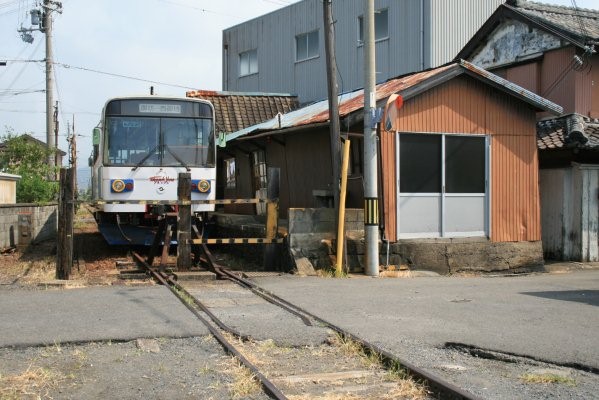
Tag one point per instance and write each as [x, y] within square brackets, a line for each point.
[41, 20]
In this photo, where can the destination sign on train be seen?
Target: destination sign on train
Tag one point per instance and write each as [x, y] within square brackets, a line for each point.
[160, 108]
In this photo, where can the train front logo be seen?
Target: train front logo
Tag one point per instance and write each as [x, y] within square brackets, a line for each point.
[161, 179]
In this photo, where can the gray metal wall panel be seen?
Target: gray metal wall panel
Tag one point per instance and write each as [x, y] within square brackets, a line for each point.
[403, 52]
[452, 24]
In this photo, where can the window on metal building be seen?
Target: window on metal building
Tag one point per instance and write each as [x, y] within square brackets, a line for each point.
[443, 185]
[381, 26]
[306, 46]
[248, 62]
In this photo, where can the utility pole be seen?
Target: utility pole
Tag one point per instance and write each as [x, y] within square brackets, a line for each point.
[47, 29]
[371, 208]
[55, 127]
[329, 32]
[41, 20]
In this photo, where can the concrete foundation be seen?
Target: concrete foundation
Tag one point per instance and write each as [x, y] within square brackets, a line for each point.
[311, 239]
[312, 235]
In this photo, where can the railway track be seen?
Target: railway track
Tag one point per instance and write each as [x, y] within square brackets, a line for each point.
[321, 359]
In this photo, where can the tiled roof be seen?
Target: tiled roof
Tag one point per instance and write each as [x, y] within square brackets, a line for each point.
[568, 131]
[582, 23]
[30, 138]
[235, 111]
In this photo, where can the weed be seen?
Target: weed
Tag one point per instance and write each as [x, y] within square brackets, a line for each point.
[547, 378]
[244, 382]
[35, 382]
[204, 370]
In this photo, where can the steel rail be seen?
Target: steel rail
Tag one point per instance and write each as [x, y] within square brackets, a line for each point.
[442, 388]
[266, 384]
[439, 387]
[222, 272]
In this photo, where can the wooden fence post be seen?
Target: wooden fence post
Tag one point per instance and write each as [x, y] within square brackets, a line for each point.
[66, 207]
[271, 251]
[184, 222]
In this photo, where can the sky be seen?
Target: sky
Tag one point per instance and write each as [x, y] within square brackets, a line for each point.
[176, 44]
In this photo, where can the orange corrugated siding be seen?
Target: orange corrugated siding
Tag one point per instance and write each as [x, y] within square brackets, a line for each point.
[464, 105]
[525, 75]
[558, 79]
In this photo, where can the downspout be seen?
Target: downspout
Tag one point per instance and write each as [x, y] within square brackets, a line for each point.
[422, 35]
[225, 67]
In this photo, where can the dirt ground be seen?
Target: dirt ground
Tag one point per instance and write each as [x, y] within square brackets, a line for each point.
[159, 368]
[95, 261]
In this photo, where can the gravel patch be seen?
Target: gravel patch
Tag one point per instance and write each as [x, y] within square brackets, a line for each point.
[191, 368]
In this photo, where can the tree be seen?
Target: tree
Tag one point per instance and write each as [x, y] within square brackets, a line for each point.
[21, 156]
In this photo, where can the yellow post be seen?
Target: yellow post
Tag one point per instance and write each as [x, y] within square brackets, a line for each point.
[341, 227]
[272, 216]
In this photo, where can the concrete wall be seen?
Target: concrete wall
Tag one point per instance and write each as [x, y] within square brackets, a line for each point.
[22, 224]
[312, 236]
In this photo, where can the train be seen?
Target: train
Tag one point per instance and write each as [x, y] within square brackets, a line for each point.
[139, 148]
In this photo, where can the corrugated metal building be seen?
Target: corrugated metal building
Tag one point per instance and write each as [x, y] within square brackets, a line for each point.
[455, 112]
[8, 188]
[284, 51]
[552, 51]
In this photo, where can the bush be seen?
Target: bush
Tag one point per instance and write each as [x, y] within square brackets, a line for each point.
[22, 156]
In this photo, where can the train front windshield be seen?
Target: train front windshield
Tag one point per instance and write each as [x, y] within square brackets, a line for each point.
[153, 132]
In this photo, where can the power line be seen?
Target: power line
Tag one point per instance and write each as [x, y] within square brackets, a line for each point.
[13, 92]
[197, 8]
[583, 29]
[67, 66]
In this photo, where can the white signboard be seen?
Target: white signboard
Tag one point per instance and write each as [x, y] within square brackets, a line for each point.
[160, 108]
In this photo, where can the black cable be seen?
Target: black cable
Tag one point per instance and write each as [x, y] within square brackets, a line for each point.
[67, 66]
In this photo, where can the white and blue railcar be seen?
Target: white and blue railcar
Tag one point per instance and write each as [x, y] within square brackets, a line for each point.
[139, 149]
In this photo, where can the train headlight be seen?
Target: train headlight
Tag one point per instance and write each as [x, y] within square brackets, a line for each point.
[200, 185]
[121, 185]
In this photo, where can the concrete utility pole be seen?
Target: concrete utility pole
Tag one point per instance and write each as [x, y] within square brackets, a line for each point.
[371, 202]
[329, 33]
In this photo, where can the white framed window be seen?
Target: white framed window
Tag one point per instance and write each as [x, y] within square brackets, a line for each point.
[306, 46]
[230, 173]
[381, 26]
[443, 185]
[248, 62]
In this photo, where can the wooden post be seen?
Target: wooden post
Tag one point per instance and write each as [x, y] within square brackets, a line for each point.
[272, 216]
[66, 207]
[271, 253]
[184, 222]
[341, 219]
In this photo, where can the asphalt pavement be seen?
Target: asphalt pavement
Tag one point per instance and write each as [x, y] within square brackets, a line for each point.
[45, 317]
[547, 317]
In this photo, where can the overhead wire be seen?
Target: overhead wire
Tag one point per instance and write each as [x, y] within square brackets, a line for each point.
[578, 63]
[580, 21]
[68, 66]
[22, 70]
